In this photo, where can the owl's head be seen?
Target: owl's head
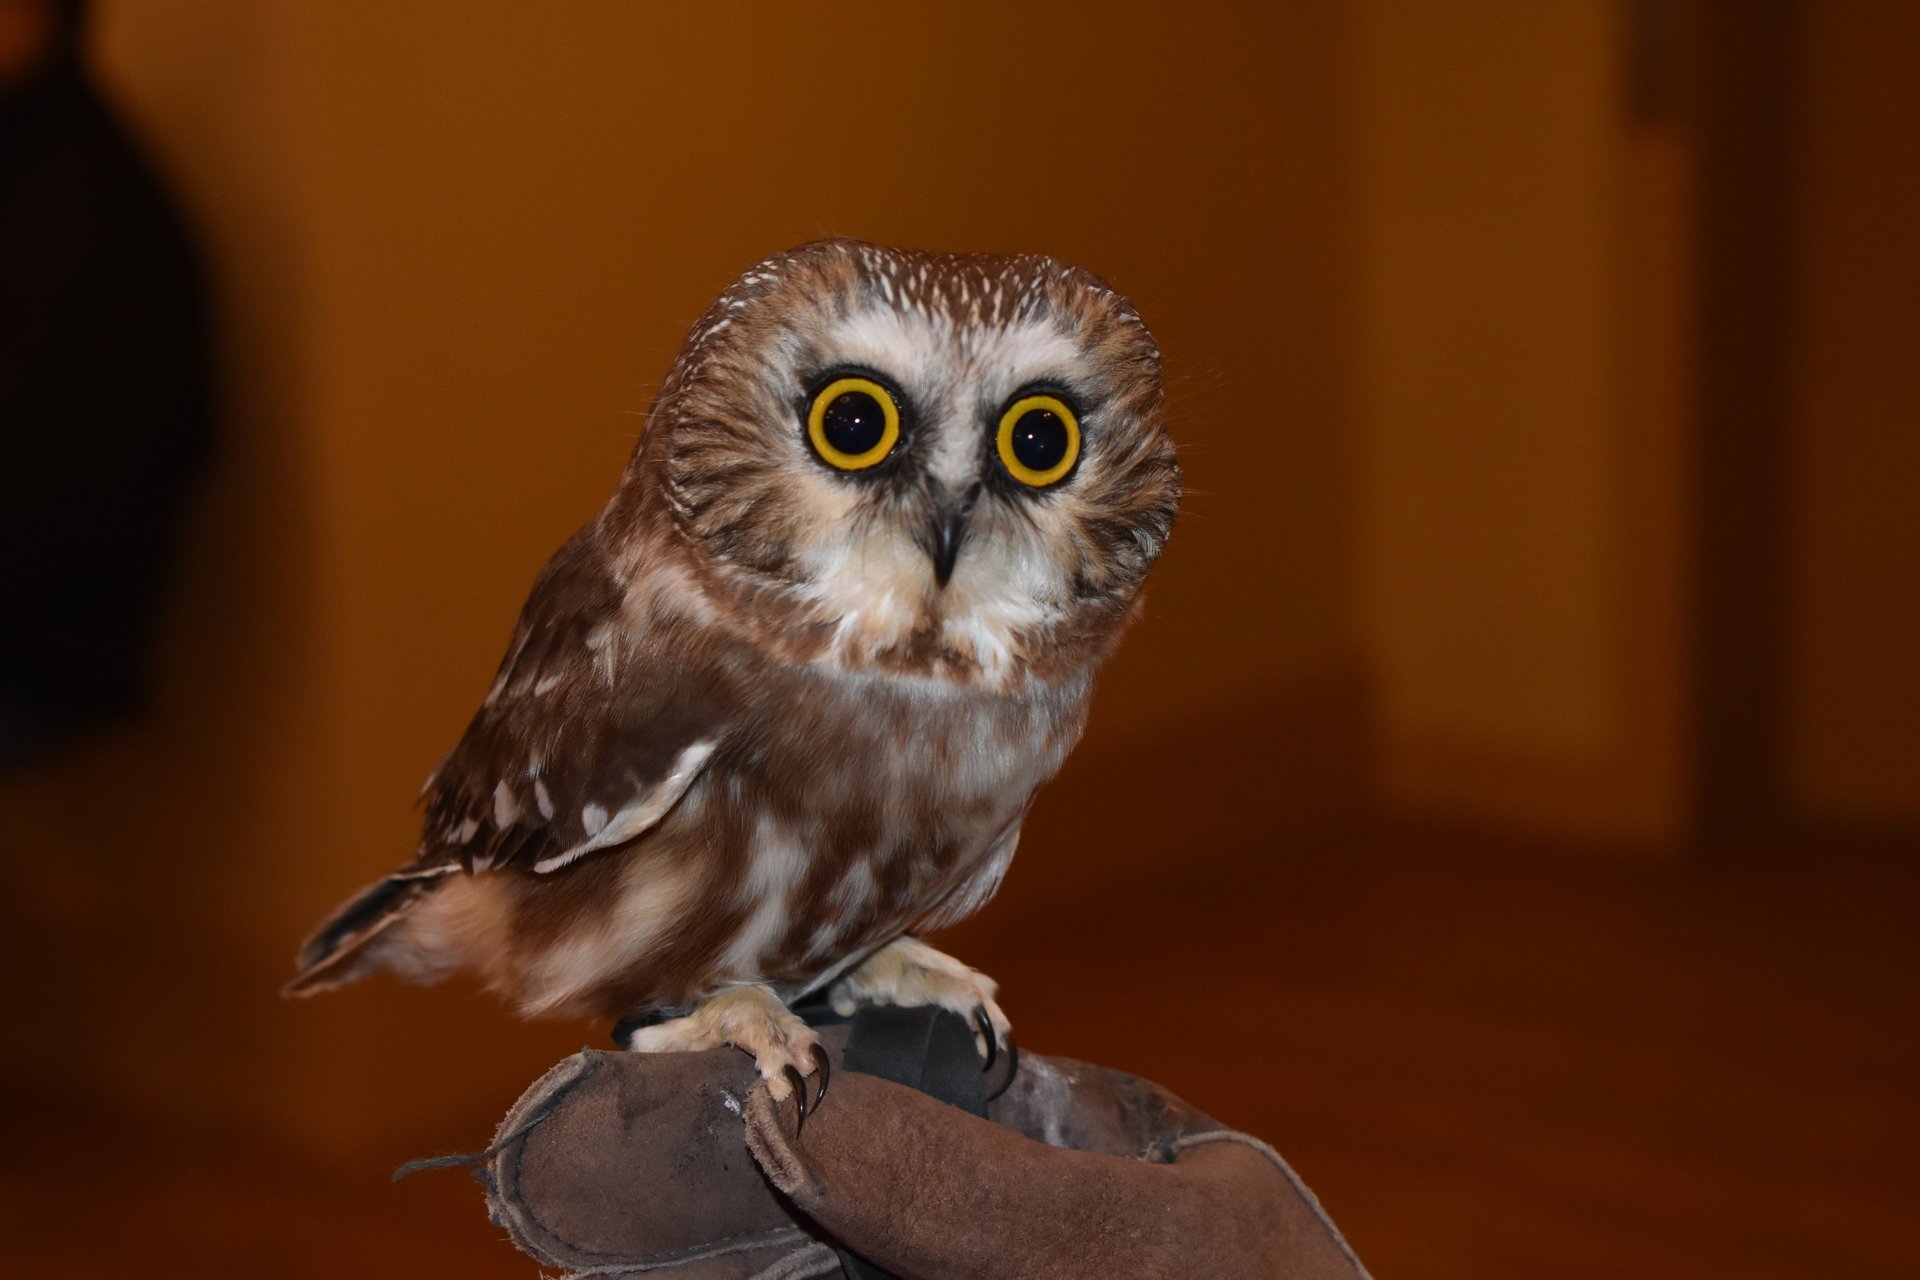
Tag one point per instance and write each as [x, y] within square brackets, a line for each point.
[951, 464]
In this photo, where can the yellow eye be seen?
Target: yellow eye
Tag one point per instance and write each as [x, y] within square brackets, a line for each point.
[1039, 440]
[853, 423]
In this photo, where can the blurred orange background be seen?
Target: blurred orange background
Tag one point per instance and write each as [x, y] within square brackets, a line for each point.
[1508, 806]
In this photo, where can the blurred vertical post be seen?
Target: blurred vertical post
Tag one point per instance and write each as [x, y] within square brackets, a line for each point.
[1741, 62]
[1523, 420]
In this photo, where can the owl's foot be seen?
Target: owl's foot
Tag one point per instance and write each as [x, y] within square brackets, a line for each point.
[754, 1019]
[908, 972]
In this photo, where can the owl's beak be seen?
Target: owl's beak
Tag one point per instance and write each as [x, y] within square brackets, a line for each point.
[947, 531]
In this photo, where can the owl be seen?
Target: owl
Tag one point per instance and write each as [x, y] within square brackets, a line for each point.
[782, 706]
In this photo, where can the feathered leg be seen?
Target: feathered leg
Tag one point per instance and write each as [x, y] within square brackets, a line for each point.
[908, 972]
[752, 1018]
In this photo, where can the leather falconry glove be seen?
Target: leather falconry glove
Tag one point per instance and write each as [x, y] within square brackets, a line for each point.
[683, 1165]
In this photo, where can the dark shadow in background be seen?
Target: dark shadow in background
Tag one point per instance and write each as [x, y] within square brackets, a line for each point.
[106, 402]
[1744, 54]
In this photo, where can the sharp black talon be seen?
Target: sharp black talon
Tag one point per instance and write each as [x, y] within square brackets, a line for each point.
[1013, 1068]
[799, 1096]
[826, 1073]
[981, 1020]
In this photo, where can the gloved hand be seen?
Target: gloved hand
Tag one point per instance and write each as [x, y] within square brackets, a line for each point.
[682, 1165]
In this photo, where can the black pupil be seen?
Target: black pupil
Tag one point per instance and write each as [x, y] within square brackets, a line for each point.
[1040, 439]
[854, 423]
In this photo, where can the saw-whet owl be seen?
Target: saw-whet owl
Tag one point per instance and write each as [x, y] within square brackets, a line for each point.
[782, 706]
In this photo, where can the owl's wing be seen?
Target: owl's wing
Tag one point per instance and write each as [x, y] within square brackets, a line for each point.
[597, 724]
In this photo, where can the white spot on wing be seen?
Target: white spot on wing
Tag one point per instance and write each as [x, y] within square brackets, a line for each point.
[506, 809]
[638, 814]
[599, 643]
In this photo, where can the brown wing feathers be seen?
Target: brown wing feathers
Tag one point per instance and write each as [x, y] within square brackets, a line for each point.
[570, 738]
[324, 961]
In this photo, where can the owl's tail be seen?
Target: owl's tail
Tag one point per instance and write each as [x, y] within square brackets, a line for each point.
[343, 949]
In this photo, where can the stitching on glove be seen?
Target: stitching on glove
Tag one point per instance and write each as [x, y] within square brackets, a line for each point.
[1293, 1180]
[628, 1261]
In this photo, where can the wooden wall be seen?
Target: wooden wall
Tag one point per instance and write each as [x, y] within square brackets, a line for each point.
[457, 246]
[1426, 288]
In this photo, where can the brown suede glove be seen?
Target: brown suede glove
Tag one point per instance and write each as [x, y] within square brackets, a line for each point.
[624, 1165]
